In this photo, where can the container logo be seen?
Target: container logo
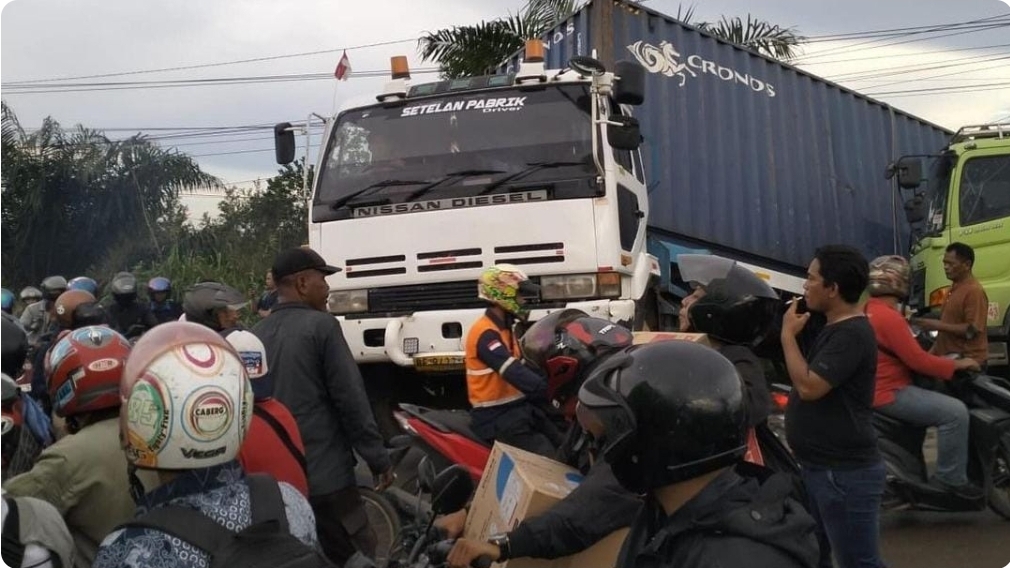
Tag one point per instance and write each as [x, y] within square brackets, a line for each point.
[666, 60]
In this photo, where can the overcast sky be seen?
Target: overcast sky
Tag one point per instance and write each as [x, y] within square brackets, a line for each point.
[52, 39]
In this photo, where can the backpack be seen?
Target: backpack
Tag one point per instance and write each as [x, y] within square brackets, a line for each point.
[265, 543]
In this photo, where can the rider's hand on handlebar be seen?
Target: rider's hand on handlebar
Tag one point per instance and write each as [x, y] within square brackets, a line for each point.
[452, 524]
[466, 551]
[385, 479]
[967, 365]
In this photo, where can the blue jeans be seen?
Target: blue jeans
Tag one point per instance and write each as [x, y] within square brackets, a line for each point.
[846, 505]
[924, 408]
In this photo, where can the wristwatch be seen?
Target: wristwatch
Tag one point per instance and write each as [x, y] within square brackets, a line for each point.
[502, 542]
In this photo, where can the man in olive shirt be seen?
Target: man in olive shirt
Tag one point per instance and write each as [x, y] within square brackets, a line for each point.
[962, 324]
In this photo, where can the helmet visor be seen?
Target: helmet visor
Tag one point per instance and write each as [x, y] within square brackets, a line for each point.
[703, 269]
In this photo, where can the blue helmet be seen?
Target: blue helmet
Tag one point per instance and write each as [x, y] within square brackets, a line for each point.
[84, 283]
[159, 284]
[7, 300]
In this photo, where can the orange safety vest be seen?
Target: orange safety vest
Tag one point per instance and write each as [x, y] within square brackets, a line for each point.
[484, 386]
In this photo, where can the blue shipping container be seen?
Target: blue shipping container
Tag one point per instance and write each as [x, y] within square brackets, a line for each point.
[746, 154]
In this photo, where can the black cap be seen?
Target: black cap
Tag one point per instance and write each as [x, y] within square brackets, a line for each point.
[293, 260]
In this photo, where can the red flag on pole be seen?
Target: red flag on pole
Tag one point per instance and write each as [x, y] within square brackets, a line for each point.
[343, 68]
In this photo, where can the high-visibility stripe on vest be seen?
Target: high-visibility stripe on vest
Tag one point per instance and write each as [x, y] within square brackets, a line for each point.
[484, 385]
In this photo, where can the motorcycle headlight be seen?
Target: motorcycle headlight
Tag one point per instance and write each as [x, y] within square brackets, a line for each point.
[347, 301]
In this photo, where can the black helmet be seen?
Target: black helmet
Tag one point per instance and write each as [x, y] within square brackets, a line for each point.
[204, 299]
[665, 412]
[89, 314]
[564, 345]
[14, 346]
[123, 287]
[738, 307]
[53, 286]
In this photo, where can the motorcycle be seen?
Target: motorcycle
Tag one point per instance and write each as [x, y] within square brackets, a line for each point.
[907, 486]
[419, 543]
[446, 437]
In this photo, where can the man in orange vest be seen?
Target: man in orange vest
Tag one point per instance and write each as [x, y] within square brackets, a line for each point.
[501, 389]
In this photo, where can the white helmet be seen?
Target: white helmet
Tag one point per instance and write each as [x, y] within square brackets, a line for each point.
[186, 399]
[251, 350]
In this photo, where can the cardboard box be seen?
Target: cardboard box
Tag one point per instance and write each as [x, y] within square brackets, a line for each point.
[641, 337]
[517, 485]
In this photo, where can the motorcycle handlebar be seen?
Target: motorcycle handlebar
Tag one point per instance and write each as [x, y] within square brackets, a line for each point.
[440, 551]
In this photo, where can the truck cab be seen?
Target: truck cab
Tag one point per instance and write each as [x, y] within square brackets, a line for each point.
[965, 198]
[420, 191]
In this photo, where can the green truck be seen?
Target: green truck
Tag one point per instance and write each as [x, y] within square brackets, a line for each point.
[962, 195]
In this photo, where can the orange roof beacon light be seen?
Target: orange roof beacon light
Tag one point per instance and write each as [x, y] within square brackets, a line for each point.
[396, 88]
[398, 66]
[534, 51]
[532, 66]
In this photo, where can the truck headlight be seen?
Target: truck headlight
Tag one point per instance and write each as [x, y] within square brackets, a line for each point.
[580, 286]
[347, 301]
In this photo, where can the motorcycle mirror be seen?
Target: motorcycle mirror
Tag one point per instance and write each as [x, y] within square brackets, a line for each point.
[451, 489]
[426, 475]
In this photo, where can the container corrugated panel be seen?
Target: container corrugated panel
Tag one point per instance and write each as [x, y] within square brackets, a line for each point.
[746, 153]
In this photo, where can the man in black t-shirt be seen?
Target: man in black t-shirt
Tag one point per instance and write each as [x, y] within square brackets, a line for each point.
[829, 419]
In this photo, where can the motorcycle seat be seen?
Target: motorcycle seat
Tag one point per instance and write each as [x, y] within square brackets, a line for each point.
[456, 421]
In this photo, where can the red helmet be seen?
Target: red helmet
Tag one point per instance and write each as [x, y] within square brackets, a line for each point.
[565, 345]
[86, 365]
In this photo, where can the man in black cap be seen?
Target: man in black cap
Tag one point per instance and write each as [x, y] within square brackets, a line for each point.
[315, 376]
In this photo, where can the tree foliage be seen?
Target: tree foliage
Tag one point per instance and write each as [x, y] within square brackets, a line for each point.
[72, 196]
[76, 202]
[478, 49]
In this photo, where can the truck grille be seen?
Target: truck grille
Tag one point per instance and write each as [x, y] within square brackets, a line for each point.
[437, 296]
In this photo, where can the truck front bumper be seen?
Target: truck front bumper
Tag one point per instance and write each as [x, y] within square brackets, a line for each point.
[435, 341]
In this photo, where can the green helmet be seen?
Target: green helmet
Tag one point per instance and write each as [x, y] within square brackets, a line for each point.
[503, 285]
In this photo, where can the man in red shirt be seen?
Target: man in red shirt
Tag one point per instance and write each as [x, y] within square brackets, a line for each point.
[273, 443]
[898, 356]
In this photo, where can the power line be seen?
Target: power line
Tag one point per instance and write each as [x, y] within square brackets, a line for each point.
[139, 85]
[216, 64]
[896, 30]
[862, 46]
[951, 89]
[916, 54]
[917, 68]
[997, 66]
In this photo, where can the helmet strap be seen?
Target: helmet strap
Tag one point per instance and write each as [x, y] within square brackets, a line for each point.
[136, 486]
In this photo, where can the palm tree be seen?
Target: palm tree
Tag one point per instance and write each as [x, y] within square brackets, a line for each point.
[763, 37]
[72, 196]
[478, 49]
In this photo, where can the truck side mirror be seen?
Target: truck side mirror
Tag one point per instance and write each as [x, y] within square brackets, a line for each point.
[284, 143]
[909, 172]
[623, 132]
[630, 85]
[915, 209]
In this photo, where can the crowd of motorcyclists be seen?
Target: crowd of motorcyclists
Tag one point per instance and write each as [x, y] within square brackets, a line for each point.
[129, 423]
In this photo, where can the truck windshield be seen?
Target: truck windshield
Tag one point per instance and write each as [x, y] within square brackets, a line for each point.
[463, 143]
[985, 189]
